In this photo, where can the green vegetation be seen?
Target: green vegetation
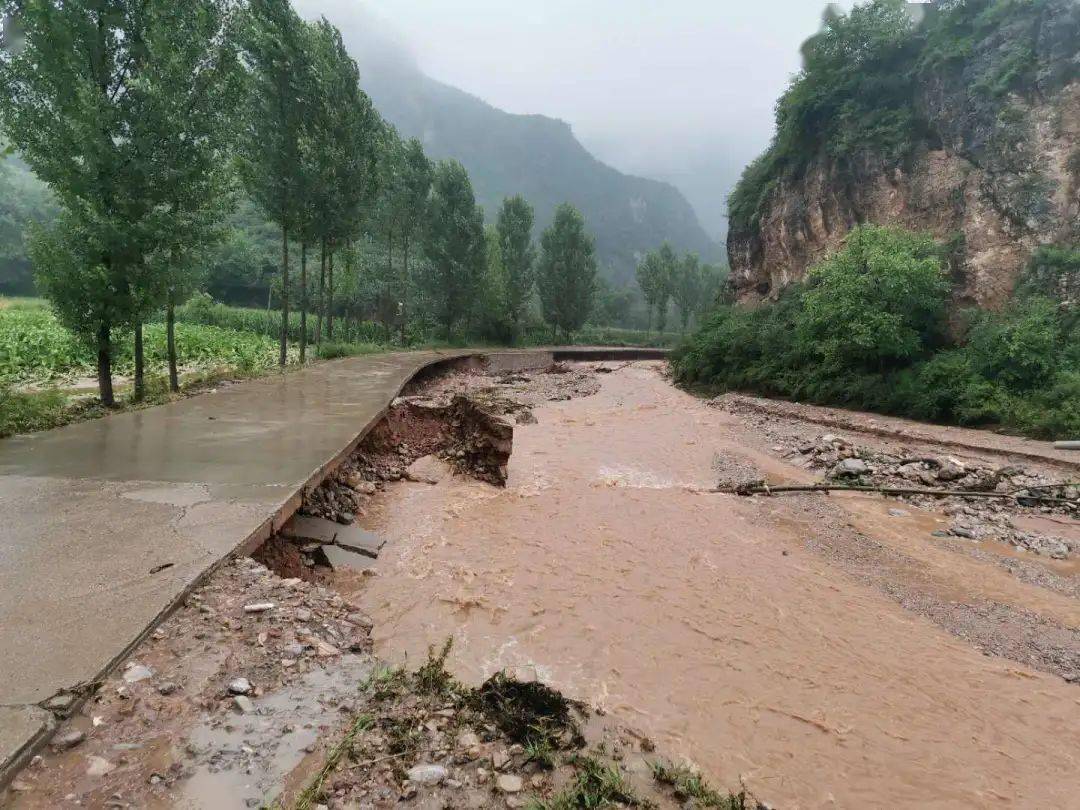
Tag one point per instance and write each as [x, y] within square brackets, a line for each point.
[567, 273]
[663, 277]
[868, 330]
[858, 92]
[689, 785]
[223, 144]
[596, 785]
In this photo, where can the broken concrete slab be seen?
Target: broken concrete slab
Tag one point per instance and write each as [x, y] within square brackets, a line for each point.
[328, 533]
[311, 529]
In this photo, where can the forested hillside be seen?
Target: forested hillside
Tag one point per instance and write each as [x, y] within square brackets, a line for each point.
[533, 155]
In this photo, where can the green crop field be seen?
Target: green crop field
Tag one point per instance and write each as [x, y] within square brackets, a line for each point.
[35, 349]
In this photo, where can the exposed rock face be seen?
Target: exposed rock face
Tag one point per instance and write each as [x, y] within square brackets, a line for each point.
[996, 175]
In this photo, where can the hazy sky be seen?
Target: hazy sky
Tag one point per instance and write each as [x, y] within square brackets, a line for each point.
[681, 90]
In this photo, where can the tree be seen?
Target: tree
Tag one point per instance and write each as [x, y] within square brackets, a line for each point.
[339, 147]
[567, 273]
[712, 287]
[668, 271]
[518, 257]
[687, 288]
[416, 186]
[91, 99]
[454, 245]
[191, 87]
[275, 43]
[650, 281]
[876, 302]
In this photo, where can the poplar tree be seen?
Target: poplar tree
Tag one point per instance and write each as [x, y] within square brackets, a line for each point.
[275, 44]
[518, 253]
[454, 246]
[686, 290]
[93, 94]
[567, 276]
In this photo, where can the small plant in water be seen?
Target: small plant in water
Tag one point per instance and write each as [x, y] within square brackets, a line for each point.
[433, 678]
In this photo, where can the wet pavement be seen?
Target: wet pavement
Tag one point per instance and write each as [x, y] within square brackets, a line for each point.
[108, 523]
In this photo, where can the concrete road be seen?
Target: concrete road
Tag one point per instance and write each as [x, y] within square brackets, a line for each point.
[106, 525]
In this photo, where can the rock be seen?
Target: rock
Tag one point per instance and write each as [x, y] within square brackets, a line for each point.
[324, 649]
[427, 774]
[293, 650]
[239, 686]
[951, 470]
[851, 467]
[468, 739]
[69, 739]
[62, 702]
[137, 672]
[259, 607]
[500, 759]
[167, 688]
[361, 620]
[509, 783]
[345, 518]
[303, 615]
[829, 438]
[899, 513]
[98, 766]
[243, 704]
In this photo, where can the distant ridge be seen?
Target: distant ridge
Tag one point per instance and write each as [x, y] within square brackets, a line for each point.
[532, 155]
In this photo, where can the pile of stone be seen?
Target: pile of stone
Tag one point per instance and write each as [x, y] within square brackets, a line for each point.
[975, 518]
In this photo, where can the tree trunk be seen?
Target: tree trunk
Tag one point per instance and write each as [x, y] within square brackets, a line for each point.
[303, 301]
[170, 344]
[140, 365]
[283, 355]
[322, 295]
[104, 366]
[330, 296]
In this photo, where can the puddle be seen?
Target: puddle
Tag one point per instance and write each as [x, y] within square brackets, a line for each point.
[703, 621]
[244, 763]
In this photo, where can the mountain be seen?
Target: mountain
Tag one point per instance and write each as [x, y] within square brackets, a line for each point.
[966, 126]
[532, 155]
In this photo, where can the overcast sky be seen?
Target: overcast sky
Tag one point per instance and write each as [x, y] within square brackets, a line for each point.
[681, 90]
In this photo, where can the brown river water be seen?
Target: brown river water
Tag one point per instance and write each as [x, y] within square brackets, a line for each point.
[706, 622]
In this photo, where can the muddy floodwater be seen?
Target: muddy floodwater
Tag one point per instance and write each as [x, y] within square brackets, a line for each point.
[715, 624]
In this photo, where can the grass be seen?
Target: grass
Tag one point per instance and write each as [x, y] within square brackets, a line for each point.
[595, 785]
[688, 784]
[312, 794]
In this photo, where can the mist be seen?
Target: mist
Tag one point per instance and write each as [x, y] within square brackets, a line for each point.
[682, 92]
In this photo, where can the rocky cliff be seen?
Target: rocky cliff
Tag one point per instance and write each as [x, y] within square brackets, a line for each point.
[994, 171]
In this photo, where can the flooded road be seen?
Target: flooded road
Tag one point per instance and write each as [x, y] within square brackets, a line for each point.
[715, 624]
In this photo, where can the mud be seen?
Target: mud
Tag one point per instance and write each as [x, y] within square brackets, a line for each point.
[819, 650]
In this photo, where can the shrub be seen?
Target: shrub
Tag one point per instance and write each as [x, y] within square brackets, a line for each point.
[1019, 347]
[877, 303]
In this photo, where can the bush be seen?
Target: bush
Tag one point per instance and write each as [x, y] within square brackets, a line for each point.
[1018, 348]
[867, 332]
[877, 303]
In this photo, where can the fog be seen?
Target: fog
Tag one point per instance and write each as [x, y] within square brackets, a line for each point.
[680, 91]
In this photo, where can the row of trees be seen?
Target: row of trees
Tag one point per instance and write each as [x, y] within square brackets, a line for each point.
[664, 277]
[149, 119]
